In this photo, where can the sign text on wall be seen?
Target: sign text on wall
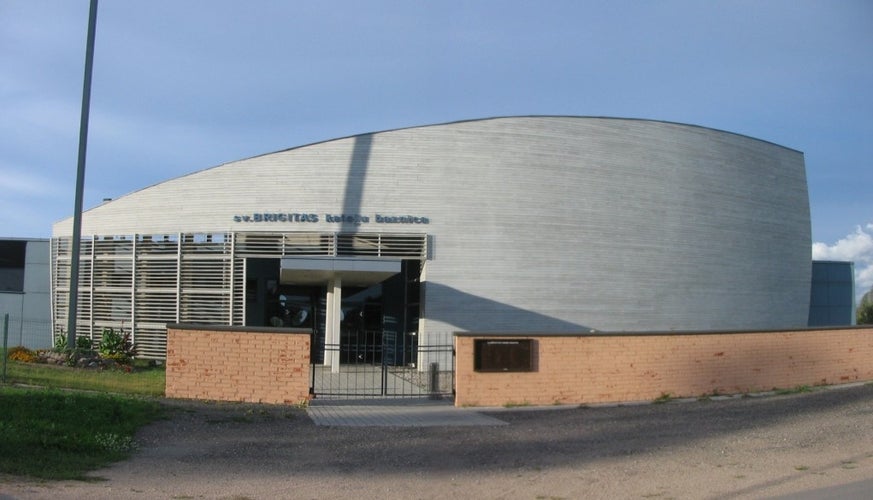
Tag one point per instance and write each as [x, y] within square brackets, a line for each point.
[356, 219]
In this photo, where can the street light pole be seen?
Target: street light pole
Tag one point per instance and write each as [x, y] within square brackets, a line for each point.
[80, 179]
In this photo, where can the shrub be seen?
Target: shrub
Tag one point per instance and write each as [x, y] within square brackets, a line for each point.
[60, 344]
[83, 343]
[83, 348]
[864, 312]
[21, 354]
[116, 345]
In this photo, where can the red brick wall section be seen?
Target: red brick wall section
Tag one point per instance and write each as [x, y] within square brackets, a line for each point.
[256, 367]
[622, 368]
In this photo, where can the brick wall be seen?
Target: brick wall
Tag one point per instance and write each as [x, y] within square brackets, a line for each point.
[259, 365]
[594, 368]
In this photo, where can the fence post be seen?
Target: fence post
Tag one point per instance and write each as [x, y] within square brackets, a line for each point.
[434, 385]
[5, 342]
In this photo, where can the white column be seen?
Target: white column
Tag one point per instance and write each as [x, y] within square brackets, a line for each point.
[333, 317]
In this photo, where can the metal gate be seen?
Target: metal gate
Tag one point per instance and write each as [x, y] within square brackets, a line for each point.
[375, 370]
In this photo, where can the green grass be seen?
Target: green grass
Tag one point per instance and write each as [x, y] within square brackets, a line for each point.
[796, 390]
[143, 381]
[665, 397]
[512, 404]
[77, 420]
[53, 434]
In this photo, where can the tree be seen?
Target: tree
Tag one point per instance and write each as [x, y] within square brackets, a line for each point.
[864, 314]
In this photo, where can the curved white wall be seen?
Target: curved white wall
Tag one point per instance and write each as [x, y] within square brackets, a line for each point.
[538, 223]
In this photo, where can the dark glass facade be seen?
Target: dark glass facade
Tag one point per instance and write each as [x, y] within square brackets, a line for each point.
[832, 301]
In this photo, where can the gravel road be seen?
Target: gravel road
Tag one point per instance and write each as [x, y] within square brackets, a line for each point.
[752, 447]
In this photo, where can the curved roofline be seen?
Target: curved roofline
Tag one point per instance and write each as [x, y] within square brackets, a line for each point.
[469, 120]
[505, 117]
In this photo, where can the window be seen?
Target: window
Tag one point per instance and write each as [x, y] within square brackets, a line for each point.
[12, 255]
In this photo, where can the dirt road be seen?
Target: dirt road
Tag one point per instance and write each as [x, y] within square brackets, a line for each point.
[752, 447]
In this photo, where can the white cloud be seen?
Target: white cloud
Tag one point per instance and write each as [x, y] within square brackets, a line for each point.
[856, 247]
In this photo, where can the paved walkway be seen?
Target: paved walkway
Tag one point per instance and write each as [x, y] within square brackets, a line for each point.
[400, 412]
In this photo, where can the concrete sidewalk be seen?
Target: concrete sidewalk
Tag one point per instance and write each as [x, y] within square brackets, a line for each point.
[399, 412]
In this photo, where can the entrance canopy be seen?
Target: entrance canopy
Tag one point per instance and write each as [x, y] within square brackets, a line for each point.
[351, 271]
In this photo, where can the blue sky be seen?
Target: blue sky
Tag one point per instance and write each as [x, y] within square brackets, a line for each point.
[183, 85]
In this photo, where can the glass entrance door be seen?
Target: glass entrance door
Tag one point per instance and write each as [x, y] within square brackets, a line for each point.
[361, 325]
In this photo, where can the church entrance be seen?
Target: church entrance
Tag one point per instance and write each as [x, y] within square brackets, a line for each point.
[363, 315]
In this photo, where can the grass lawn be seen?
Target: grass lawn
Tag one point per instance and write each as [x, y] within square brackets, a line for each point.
[143, 381]
[53, 434]
[77, 419]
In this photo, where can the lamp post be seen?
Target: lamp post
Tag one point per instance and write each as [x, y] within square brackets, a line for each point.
[80, 179]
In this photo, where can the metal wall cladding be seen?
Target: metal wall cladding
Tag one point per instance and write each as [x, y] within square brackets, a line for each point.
[29, 307]
[549, 224]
